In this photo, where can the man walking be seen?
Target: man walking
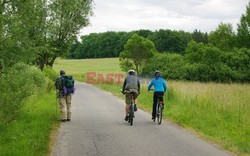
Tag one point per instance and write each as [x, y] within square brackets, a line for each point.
[65, 86]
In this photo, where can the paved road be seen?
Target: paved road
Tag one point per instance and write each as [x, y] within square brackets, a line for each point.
[98, 129]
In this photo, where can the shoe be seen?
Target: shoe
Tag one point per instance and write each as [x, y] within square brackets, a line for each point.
[135, 108]
[68, 119]
[153, 118]
[126, 118]
[63, 120]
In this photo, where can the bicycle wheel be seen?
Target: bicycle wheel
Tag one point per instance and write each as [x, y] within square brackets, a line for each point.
[131, 119]
[159, 115]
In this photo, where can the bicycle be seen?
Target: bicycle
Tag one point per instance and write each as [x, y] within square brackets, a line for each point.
[159, 109]
[131, 113]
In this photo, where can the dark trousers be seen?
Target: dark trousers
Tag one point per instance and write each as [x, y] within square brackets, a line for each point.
[156, 94]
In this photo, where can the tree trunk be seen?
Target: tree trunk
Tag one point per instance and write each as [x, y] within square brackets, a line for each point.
[51, 63]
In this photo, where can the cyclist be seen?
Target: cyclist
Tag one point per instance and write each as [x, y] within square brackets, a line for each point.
[131, 84]
[160, 86]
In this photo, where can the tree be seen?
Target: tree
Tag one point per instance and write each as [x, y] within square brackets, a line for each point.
[243, 34]
[136, 51]
[198, 36]
[39, 31]
[223, 37]
[170, 41]
[18, 21]
[65, 20]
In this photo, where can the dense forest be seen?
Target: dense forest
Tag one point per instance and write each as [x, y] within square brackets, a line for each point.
[111, 44]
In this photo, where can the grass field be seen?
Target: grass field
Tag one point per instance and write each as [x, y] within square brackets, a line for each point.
[217, 112]
[29, 134]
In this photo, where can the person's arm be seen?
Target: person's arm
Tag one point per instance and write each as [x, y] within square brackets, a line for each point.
[165, 85]
[124, 85]
[150, 85]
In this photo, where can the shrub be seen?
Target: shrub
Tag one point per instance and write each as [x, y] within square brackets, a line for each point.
[17, 84]
[50, 77]
[171, 65]
[218, 72]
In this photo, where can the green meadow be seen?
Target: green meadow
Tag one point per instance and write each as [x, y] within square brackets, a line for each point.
[217, 112]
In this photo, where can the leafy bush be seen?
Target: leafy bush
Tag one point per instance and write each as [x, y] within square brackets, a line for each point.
[170, 65]
[203, 72]
[50, 77]
[17, 84]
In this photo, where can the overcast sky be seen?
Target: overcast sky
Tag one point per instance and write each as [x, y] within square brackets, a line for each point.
[187, 15]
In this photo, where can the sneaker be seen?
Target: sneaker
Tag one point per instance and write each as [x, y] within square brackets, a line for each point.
[126, 118]
[68, 119]
[135, 108]
[63, 120]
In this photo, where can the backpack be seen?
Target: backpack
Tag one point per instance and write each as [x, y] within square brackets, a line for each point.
[69, 83]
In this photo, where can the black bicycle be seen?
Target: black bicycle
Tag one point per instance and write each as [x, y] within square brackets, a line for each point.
[131, 113]
[159, 109]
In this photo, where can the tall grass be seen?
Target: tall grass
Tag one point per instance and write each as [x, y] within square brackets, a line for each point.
[217, 112]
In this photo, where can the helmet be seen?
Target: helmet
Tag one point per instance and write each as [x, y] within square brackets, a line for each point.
[157, 73]
[62, 72]
[131, 72]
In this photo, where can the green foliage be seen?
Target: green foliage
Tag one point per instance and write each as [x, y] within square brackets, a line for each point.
[102, 45]
[199, 37]
[30, 133]
[238, 60]
[170, 41]
[217, 72]
[111, 44]
[39, 31]
[223, 37]
[243, 35]
[17, 84]
[137, 50]
[208, 63]
[170, 65]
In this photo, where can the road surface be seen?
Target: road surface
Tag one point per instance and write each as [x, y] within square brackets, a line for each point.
[98, 129]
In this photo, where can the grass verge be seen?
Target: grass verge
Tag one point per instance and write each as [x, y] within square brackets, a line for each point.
[30, 133]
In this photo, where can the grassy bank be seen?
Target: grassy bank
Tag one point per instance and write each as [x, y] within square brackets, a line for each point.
[30, 133]
[217, 112]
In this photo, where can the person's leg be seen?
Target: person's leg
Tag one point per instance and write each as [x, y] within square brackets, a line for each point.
[127, 100]
[68, 101]
[135, 101]
[161, 98]
[154, 105]
[63, 108]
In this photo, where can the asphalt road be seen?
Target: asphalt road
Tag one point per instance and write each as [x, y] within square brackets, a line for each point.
[98, 129]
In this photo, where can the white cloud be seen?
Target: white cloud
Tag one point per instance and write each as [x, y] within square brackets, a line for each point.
[127, 15]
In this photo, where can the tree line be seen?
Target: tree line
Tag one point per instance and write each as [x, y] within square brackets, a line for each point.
[111, 44]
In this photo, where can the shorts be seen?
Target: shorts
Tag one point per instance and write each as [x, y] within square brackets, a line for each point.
[128, 99]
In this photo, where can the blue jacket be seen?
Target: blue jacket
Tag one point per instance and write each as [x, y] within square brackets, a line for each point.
[159, 85]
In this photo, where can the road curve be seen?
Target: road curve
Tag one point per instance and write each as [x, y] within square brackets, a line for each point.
[98, 129]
